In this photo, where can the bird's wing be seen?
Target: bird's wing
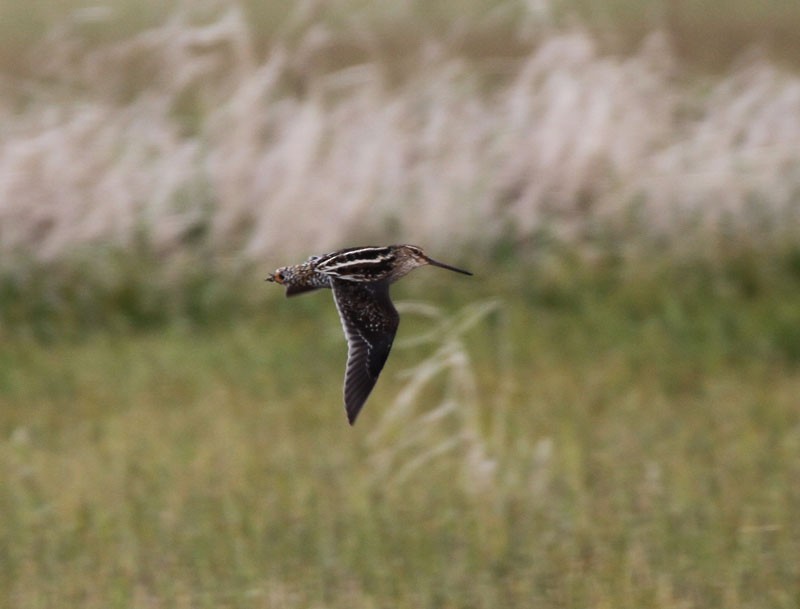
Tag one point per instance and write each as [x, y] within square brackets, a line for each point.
[294, 290]
[370, 323]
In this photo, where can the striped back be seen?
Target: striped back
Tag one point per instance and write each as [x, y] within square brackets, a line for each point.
[358, 263]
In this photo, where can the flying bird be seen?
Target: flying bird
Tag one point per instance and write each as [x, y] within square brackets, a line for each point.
[360, 278]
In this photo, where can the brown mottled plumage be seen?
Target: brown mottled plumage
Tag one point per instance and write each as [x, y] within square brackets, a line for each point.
[360, 279]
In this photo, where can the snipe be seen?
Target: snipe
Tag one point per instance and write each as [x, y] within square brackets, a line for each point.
[360, 279]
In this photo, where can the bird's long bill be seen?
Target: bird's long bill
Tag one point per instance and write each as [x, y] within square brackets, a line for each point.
[447, 266]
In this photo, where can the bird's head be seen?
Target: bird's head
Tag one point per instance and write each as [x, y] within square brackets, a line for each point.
[420, 258]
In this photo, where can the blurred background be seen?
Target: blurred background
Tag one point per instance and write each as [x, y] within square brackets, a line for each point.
[606, 415]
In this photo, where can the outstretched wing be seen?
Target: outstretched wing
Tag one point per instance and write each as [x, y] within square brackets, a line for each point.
[370, 322]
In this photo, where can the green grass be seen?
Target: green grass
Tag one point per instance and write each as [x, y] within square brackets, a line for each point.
[706, 35]
[635, 443]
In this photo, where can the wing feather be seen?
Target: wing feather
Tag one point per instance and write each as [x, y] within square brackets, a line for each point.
[370, 322]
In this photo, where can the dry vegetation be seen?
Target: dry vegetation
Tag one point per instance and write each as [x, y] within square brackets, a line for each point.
[183, 133]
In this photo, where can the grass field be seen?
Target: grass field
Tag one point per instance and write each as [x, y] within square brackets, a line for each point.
[605, 416]
[216, 131]
[579, 443]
